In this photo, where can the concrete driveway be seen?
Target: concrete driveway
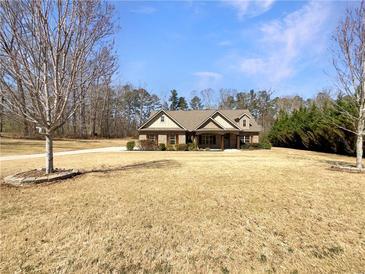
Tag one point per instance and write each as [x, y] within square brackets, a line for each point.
[72, 152]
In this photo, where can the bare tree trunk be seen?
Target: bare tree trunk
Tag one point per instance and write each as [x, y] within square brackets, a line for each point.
[93, 123]
[359, 144]
[1, 113]
[359, 151]
[82, 116]
[74, 118]
[49, 153]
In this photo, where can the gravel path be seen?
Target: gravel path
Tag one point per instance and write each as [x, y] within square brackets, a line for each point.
[72, 152]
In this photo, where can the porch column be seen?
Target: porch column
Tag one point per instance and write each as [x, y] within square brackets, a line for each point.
[195, 140]
[238, 141]
[222, 142]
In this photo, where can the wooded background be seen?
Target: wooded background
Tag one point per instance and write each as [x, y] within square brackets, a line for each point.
[288, 121]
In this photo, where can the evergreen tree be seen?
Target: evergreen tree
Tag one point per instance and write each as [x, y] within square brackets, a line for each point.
[182, 104]
[311, 127]
[196, 103]
[174, 100]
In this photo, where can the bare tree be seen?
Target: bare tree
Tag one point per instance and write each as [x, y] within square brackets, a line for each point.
[47, 46]
[208, 98]
[349, 62]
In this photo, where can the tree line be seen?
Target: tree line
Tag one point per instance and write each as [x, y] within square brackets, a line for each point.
[112, 112]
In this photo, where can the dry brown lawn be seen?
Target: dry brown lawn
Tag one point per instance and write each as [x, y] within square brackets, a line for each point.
[278, 211]
[10, 146]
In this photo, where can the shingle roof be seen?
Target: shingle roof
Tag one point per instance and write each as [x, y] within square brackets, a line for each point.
[191, 119]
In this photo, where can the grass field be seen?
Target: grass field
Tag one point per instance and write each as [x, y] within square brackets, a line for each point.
[277, 211]
[10, 146]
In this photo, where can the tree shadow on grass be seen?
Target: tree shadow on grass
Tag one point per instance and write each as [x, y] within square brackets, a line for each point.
[343, 166]
[338, 163]
[106, 169]
[143, 165]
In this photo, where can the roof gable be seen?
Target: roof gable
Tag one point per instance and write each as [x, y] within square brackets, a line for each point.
[210, 123]
[155, 122]
[224, 121]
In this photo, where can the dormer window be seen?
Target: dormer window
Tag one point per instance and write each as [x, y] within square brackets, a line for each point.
[162, 118]
[244, 122]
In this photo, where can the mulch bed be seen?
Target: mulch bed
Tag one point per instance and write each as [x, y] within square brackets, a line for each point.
[37, 176]
[347, 168]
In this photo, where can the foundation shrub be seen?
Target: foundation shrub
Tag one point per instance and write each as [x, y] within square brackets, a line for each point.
[147, 145]
[131, 145]
[162, 147]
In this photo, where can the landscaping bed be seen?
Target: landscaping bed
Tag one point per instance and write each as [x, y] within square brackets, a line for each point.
[37, 176]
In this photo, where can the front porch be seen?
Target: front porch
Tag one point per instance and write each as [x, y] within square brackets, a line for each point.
[213, 140]
[203, 139]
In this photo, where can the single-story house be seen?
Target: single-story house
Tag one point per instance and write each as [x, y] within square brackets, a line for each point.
[216, 129]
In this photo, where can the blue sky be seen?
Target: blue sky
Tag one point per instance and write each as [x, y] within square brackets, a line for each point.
[189, 45]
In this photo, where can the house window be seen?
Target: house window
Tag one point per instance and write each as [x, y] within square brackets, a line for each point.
[244, 123]
[172, 139]
[208, 140]
[162, 118]
[151, 137]
[244, 139]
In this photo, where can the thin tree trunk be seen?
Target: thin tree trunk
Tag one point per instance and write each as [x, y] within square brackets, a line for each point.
[359, 144]
[93, 124]
[82, 109]
[93, 110]
[1, 114]
[49, 153]
[103, 116]
[74, 118]
[359, 151]
[82, 117]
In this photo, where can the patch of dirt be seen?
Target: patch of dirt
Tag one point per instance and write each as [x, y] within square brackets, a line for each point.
[347, 168]
[38, 176]
[38, 173]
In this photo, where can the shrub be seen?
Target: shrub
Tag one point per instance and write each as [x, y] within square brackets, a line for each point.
[181, 147]
[162, 147]
[246, 146]
[147, 145]
[170, 147]
[265, 143]
[250, 146]
[192, 147]
[131, 145]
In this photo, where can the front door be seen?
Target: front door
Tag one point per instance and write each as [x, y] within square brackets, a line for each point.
[226, 141]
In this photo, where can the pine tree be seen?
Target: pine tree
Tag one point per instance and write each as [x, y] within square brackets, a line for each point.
[174, 100]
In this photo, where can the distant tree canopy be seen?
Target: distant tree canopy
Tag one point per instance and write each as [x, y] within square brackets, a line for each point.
[182, 104]
[196, 103]
[174, 100]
